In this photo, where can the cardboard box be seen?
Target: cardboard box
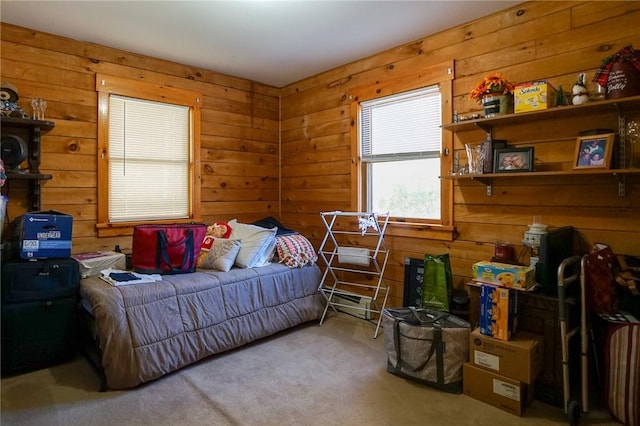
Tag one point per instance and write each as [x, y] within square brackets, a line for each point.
[502, 392]
[521, 358]
[533, 96]
[92, 263]
[45, 234]
[499, 311]
[504, 274]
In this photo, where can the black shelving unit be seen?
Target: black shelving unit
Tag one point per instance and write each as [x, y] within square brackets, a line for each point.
[31, 131]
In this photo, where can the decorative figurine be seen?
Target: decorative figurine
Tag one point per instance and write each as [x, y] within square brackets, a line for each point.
[579, 91]
[9, 98]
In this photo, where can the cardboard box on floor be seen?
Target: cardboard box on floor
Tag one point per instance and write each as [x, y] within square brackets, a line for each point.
[520, 358]
[502, 392]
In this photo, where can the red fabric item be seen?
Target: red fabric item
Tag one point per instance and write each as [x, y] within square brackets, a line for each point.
[627, 53]
[601, 290]
[167, 249]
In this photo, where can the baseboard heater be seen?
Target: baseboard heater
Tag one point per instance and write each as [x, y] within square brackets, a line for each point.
[353, 304]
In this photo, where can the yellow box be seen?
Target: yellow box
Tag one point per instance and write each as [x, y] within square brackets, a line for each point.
[533, 96]
[504, 275]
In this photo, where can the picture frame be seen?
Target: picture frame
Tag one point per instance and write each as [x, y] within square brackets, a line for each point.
[513, 160]
[594, 151]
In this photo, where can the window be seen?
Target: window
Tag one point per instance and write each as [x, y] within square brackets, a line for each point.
[399, 150]
[148, 152]
[400, 143]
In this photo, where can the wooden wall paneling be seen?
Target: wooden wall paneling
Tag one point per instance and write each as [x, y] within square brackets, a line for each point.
[240, 127]
[251, 169]
[549, 40]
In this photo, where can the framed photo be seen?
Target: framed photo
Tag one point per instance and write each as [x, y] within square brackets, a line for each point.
[594, 152]
[513, 160]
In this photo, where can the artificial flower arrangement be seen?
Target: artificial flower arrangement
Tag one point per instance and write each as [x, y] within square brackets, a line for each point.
[492, 84]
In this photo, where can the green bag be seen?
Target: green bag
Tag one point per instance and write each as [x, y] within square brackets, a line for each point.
[437, 282]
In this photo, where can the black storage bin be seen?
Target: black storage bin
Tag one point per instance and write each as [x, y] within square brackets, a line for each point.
[37, 335]
[39, 313]
[36, 280]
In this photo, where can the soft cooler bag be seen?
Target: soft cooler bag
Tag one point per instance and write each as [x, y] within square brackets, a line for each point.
[427, 346]
[167, 249]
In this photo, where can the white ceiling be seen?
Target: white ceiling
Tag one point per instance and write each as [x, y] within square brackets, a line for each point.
[271, 42]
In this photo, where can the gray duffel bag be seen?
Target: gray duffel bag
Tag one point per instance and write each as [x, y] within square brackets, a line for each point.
[427, 346]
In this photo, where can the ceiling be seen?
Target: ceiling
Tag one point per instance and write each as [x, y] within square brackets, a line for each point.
[271, 42]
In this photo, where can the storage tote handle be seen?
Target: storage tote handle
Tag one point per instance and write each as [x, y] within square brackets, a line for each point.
[162, 254]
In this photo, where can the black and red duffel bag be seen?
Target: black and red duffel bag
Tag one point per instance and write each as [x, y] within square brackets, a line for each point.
[167, 249]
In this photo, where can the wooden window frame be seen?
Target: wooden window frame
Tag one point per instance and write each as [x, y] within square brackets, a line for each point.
[111, 85]
[442, 75]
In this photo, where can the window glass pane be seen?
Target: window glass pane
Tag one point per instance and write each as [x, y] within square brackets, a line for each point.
[406, 188]
[149, 152]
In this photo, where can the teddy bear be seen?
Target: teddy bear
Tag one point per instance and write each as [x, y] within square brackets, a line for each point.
[216, 230]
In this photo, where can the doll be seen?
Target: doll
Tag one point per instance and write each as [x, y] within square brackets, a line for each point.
[217, 230]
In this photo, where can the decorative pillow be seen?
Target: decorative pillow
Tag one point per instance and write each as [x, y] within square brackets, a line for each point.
[222, 254]
[258, 244]
[295, 250]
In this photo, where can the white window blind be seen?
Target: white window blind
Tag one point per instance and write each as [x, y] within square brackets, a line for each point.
[402, 125]
[401, 138]
[149, 159]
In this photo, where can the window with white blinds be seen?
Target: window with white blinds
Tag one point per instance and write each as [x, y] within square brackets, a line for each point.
[149, 160]
[400, 142]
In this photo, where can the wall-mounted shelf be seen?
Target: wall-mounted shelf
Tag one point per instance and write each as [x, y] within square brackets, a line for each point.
[617, 106]
[487, 178]
[31, 131]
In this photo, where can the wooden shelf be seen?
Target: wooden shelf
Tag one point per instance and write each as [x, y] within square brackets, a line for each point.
[618, 106]
[621, 105]
[486, 176]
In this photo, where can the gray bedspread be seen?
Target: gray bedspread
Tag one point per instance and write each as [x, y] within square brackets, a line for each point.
[147, 330]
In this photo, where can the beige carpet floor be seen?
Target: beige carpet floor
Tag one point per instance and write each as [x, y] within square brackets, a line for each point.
[334, 374]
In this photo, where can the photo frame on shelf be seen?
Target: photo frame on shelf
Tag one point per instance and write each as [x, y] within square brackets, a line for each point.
[594, 151]
[513, 160]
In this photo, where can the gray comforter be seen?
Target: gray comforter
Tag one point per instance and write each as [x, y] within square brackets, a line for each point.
[147, 330]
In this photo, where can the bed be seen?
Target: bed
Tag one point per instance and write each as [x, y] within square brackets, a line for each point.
[138, 333]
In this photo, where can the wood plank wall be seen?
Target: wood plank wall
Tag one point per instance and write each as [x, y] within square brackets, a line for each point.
[535, 40]
[239, 141]
[241, 160]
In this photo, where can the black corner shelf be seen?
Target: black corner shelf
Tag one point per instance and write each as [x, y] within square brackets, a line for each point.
[31, 130]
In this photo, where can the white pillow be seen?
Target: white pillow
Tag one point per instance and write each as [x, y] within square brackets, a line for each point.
[258, 244]
[221, 255]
